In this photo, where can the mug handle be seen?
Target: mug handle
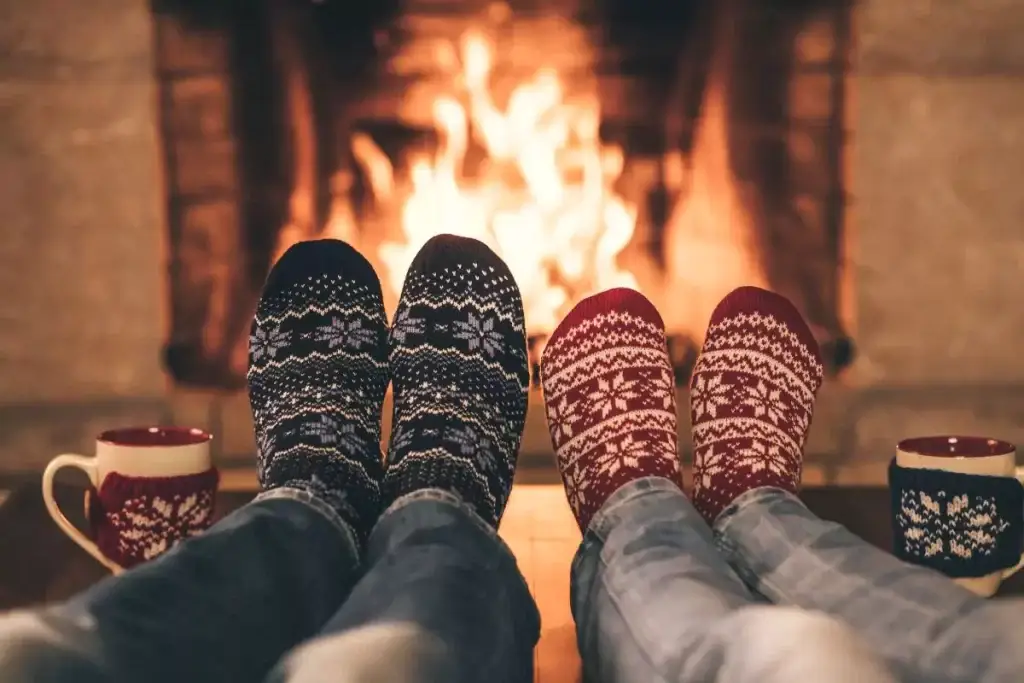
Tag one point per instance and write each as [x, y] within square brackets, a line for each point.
[1020, 565]
[87, 465]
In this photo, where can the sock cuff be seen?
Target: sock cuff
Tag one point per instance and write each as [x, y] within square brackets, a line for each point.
[962, 525]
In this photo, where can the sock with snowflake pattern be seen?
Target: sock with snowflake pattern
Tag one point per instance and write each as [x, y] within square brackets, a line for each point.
[317, 378]
[609, 394]
[751, 398]
[461, 377]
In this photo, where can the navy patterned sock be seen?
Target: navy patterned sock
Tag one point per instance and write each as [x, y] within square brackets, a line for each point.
[317, 378]
[461, 377]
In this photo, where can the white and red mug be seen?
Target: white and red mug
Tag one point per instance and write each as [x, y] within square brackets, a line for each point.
[151, 487]
[958, 507]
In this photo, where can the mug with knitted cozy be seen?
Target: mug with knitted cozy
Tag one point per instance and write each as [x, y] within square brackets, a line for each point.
[958, 507]
[151, 487]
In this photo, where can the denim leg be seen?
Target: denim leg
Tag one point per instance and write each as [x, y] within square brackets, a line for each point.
[442, 600]
[925, 626]
[222, 606]
[653, 601]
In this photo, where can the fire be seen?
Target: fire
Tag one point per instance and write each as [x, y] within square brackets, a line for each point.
[534, 181]
[543, 198]
[708, 238]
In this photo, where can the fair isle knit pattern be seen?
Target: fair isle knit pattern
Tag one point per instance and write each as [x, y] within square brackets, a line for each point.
[752, 396]
[609, 394]
[317, 378]
[959, 524]
[461, 377]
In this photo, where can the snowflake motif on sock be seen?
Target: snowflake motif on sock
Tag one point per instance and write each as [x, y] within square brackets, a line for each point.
[709, 395]
[665, 449]
[660, 389]
[760, 456]
[332, 432]
[264, 444]
[562, 416]
[949, 526]
[707, 465]
[402, 439]
[264, 342]
[339, 333]
[324, 428]
[615, 455]
[766, 403]
[577, 487]
[472, 444]
[406, 325]
[479, 333]
[614, 395]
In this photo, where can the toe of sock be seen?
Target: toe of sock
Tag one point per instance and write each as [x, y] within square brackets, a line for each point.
[747, 300]
[319, 257]
[445, 251]
[620, 299]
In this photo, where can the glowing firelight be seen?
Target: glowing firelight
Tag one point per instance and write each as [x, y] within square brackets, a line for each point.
[543, 200]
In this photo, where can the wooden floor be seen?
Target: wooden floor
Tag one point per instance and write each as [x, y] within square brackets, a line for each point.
[539, 528]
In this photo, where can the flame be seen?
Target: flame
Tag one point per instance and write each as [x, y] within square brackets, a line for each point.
[709, 245]
[543, 199]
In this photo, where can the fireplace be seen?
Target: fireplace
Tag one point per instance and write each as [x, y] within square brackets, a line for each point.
[681, 151]
[159, 154]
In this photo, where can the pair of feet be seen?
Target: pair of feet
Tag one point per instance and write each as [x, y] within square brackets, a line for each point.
[321, 356]
[609, 392]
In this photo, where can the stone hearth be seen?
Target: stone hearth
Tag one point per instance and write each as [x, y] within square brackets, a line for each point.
[935, 252]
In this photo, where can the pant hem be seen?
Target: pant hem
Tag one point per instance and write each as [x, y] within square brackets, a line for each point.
[446, 498]
[317, 504]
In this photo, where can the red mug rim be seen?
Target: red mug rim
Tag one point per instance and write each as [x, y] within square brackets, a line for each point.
[154, 437]
[956, 446]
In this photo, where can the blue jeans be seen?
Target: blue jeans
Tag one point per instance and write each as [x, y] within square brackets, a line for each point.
[437, 597]
[925, 627]
[276, 592]
[655, 602]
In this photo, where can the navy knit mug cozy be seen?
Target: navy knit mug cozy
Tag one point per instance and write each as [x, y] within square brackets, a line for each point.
[963, 525]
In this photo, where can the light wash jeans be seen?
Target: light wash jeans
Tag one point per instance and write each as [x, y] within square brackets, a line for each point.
[438, 598]
[655, 602]
[927, 628]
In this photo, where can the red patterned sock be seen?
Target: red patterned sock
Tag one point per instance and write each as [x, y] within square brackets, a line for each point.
[751, 398]
[610, 398]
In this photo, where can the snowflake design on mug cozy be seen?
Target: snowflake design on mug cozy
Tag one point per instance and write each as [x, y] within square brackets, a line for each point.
[149, 527]
[949, 526]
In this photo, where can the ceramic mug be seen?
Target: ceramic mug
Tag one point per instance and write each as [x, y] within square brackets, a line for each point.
[150, 488]
[958, 504]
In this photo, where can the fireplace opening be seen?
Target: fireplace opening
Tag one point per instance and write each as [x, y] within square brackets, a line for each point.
[683, 151]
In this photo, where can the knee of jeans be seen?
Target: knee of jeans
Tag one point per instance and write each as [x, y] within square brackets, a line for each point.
[804, 643]
[32, 649]
[378, 653]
